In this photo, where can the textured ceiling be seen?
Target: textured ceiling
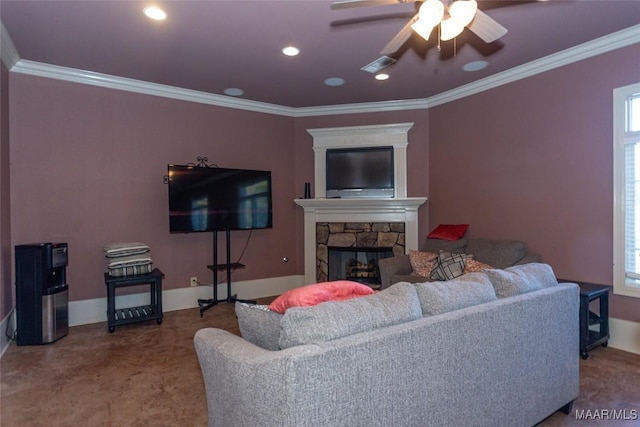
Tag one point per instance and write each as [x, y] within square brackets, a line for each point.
[212, 45]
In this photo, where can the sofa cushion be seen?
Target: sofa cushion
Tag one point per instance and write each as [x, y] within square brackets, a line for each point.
[114, 250]
[448, 231]
[448, 266]
[437, 245]
[398, 303]
[499, 253]
[422, 262]
[316, 293]
[464, 291]
[521, 279]
[259, 325]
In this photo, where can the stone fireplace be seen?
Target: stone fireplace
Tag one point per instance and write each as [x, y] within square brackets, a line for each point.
[350, 251]
[322, 214]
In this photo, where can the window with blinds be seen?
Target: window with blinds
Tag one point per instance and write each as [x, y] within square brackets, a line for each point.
[627, 190]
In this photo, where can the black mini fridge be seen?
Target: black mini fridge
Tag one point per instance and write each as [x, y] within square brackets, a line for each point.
[42, 293]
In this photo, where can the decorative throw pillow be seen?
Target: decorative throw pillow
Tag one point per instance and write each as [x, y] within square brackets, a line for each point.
[473, 266]
[449, 266]
[449, 231]
[319, 292]
[422, 262]
[259, 325]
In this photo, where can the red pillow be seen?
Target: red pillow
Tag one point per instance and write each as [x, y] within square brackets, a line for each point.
[449, 231]
[319, 292]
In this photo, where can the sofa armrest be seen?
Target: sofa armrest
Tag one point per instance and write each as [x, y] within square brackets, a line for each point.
[242, 379]
[393, 266]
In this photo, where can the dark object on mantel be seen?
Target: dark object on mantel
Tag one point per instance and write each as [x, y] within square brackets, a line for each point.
[590, 339]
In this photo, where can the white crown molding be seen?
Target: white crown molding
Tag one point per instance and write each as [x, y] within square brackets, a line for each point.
[8, 53]
[623, 38]
[138, 86]
[592, 48]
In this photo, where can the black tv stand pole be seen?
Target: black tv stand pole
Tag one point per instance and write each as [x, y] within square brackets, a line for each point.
[206, 304]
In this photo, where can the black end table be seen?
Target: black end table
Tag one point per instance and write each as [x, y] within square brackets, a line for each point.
[124, 316]
[591, 338]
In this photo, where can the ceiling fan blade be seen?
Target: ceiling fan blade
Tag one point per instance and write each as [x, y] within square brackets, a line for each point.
[346, 4]
[486, 27]
[399, 39]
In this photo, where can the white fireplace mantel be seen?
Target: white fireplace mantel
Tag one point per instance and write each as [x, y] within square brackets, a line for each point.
[399, 208]
[356, 210]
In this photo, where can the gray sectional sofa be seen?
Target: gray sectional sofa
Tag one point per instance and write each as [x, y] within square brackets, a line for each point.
[497, 253]
[496, 348]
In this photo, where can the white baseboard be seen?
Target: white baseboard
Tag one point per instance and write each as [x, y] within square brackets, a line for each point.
[624, 335]
[95, 310]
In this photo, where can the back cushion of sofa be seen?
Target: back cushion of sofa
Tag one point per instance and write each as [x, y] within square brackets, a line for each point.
[464, 291]
[437, 245]
[331, 320]
[259, 325]
[498, 253]
[521, 279]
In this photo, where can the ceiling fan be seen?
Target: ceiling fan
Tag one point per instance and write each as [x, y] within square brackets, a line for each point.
[452, 16]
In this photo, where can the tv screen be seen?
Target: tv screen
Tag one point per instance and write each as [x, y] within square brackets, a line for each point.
[360, 172]
[214, 199]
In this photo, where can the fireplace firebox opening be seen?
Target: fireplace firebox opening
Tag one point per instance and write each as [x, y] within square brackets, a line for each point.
[356, 247]
[357, 264]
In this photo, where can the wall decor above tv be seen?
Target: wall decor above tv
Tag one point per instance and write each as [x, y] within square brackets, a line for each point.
[203, 198]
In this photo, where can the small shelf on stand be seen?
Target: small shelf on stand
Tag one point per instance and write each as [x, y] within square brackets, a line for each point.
[123, 316]
[206, 304]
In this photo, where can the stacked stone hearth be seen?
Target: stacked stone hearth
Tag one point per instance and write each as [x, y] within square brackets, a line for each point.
[356, 235]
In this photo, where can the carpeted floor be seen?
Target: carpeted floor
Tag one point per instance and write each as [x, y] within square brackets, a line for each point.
[148, 374]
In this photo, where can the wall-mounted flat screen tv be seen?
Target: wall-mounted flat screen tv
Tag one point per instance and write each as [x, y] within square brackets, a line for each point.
[214, 199]
[360, 172]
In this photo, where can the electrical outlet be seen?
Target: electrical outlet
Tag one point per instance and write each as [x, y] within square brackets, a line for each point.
[194, 281]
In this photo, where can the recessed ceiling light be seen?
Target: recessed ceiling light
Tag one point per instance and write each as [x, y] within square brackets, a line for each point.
[233, 91]
[155, 13]
[475, 66]
[382, 76]
[290, 51]
[334, 81]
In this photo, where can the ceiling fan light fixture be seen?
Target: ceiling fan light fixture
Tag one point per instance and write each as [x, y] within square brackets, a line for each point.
[429, 15]
[464, 11]
[450, 28]
[422, 28]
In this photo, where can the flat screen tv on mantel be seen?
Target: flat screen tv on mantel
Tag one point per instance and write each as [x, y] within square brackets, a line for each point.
[215, 199]
[360, 172]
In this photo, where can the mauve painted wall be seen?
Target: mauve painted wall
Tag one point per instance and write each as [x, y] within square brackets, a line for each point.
[88, 166]
[533, 160]
[6, 301]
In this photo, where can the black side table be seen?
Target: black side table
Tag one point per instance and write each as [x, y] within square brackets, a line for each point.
[123, 316]
[591, 338]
